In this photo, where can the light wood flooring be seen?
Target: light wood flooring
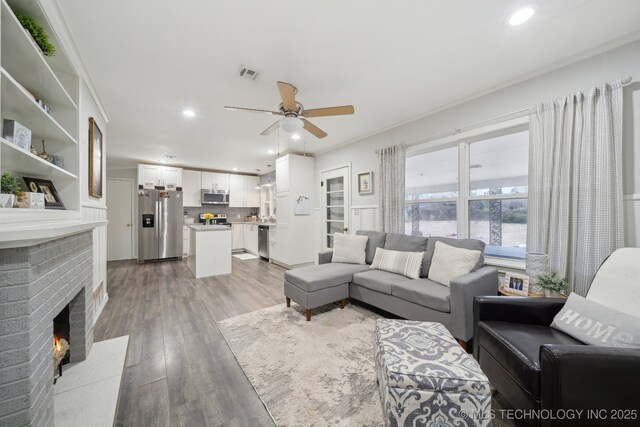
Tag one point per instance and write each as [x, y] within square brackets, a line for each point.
[179, 370]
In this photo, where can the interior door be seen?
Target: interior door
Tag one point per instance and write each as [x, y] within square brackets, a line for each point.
[336, 201]
[120, 216]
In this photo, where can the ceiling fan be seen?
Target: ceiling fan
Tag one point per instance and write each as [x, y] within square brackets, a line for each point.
[294, 114]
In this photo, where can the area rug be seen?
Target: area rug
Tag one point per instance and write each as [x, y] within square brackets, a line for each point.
[245, 257]
[316, 373]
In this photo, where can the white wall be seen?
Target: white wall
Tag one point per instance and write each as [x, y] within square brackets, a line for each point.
[582, 75]
[94, 209]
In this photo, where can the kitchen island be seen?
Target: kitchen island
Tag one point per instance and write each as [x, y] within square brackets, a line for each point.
[210, 250]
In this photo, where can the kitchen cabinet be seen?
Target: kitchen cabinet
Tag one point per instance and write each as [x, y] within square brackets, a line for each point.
[191, 188]
[294, 179]
[282, 173]
[251, 238]
[215, 181]
[159, 175]
[237, 237]
[267, 201]
[242, 191]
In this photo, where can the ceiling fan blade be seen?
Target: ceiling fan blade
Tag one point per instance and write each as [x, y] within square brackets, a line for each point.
[329, 111]
[254, 110]
[313, 129]
[288, 95]
[271, 128]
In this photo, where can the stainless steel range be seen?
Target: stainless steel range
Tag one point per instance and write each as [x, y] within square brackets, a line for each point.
[218, 219]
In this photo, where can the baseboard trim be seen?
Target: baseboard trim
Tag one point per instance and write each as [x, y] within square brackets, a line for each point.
[99, 312]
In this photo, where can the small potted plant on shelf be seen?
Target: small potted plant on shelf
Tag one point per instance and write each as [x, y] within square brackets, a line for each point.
[9, 187]
[552, 284]
[38, 34]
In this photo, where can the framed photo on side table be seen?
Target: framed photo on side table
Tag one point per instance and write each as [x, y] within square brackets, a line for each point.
[51, 198]
[365, 185]
[95, 159]
[516, 284]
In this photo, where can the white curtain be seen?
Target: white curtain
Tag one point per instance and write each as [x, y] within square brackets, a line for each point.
[575, 182]
[391, 164]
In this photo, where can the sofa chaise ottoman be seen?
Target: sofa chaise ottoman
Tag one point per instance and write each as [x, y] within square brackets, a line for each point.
[414, 299]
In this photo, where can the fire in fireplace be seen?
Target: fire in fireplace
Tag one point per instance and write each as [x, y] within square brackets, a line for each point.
[61, 342]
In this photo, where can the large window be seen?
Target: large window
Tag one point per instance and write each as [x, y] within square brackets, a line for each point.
[485, 200]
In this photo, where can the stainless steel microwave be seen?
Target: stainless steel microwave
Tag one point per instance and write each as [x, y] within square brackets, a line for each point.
[214, 197]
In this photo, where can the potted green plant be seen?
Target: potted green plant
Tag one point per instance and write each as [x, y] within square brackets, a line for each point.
[552, 284]
[38, 34]
[9, 187]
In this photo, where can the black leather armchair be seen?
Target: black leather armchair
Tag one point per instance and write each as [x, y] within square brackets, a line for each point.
[536, 367]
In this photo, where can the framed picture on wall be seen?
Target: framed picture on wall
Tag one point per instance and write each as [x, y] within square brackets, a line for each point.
[365, 184]
[95, 159]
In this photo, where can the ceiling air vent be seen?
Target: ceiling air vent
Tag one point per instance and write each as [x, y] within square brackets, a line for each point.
[249, 73]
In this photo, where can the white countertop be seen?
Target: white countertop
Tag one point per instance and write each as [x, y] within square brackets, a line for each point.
[202, 227]
[268, 224]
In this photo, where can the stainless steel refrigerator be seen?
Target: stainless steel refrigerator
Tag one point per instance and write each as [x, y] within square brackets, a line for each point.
[160, 221]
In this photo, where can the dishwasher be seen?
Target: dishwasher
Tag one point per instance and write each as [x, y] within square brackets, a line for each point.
[263, 241]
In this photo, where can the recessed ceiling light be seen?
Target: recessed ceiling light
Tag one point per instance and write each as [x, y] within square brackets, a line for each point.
[189, 113]
[234, 169]
[270, 151]
[521, 16]
[296, 136]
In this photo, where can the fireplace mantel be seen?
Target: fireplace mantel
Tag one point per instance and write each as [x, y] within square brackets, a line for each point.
[17, 235]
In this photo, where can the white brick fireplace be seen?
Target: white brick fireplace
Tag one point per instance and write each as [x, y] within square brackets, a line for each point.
[36, 283]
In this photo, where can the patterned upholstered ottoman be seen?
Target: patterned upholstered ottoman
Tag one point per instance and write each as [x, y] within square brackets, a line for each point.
[426, 378]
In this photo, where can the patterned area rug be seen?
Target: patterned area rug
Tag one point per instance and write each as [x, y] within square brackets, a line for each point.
[316, 373]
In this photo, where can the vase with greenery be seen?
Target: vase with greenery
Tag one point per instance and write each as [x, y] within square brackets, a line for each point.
[552, 284]
[38, 33]
[9, 187]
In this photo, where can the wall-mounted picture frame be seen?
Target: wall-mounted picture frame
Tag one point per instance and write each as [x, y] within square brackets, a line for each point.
[365, 183]
[95, 159]
[517, 284]
[52, 199]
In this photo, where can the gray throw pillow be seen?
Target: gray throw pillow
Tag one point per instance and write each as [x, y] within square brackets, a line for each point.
[405, 243]
[471, 244]
[595, 324]
[376, 240]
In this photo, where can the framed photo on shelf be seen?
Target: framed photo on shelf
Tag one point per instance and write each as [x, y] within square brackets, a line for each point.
[51, 198]
[365, 184]
[95, 159]
[517, 284]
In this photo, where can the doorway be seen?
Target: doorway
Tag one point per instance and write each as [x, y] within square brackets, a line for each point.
[336, 203]
[120, 216]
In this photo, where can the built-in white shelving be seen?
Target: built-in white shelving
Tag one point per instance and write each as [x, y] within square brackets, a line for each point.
[26, 75]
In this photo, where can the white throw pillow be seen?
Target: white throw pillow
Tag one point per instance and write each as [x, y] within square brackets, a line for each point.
[449, 262]
[405, 263]
[349, 248]
[596, 324]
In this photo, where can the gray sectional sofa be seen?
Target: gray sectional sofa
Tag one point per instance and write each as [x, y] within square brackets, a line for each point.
[414, 299]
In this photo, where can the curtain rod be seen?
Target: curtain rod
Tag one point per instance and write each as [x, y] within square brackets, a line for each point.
[625, 81]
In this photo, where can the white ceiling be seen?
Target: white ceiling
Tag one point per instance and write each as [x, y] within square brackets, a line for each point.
[392, 60]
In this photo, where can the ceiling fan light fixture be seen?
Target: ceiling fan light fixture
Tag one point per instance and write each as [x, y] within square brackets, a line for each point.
[295, 136]
[189, 113]
[291, 125]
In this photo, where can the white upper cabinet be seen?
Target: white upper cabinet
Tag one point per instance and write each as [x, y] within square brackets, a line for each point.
[242, 191]
[159, 175]
[282, 174]
[236, 191]
[221, 181]
[215, 181]
[191, 188]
